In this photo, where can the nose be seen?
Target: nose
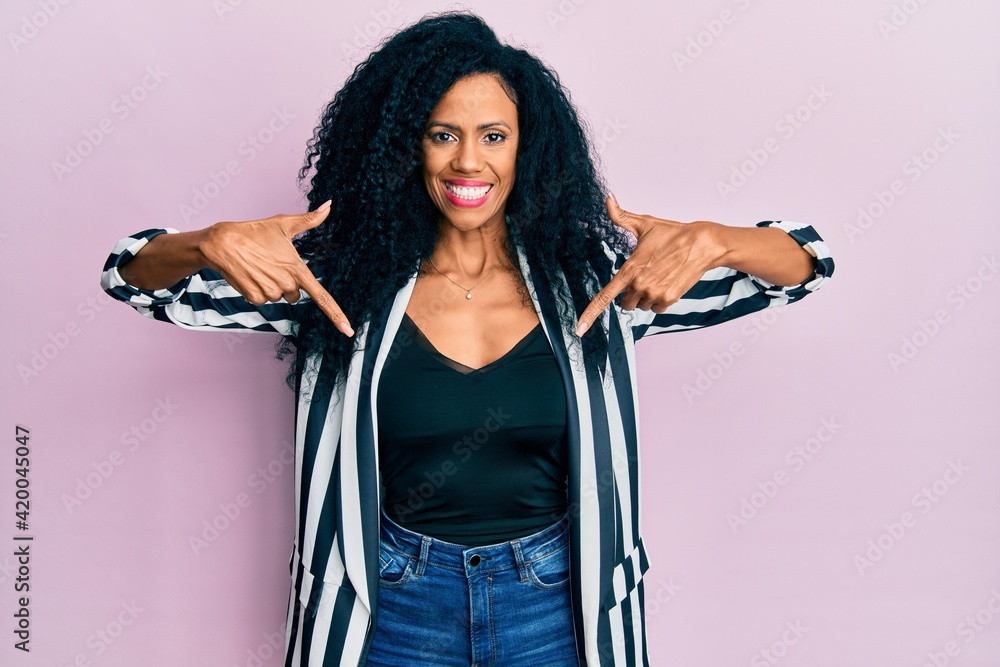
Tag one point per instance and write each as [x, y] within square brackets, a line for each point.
[468, 158]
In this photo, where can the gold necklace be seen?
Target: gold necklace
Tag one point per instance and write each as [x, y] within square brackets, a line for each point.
[468, 291]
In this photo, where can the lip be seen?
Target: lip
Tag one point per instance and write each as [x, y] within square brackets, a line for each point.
[466, 203]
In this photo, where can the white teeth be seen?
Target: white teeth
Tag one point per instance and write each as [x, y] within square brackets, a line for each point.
[464, 192]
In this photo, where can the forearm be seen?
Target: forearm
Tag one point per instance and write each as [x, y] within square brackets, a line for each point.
[165, 260]
[764, 252]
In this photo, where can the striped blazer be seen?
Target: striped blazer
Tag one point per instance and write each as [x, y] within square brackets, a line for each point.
[334, 563]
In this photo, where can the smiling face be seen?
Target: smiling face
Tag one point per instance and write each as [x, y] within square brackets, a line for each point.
[470, 147]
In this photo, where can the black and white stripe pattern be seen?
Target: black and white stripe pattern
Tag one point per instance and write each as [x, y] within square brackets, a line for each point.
[334, 562]
[201, 301]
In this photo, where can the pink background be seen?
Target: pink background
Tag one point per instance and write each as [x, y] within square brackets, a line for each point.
[717, 593]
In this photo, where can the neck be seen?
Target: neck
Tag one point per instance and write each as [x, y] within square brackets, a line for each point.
[470, 253]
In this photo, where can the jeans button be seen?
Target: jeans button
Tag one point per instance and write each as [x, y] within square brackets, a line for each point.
[474, 560]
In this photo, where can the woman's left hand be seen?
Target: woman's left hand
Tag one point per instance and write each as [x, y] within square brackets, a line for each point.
[669, 258]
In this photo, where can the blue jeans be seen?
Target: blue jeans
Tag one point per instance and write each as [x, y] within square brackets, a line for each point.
[450, 605]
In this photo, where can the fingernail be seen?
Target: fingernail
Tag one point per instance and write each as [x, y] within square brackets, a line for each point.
[326, 204]
[346, 328]
[582, 328]
[614, 199]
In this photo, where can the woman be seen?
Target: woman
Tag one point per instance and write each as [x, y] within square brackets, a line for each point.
[467, 458]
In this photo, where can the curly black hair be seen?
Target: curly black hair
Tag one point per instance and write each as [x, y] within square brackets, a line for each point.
[367, 153]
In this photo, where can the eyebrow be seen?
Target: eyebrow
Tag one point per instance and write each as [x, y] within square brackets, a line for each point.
[483, 126]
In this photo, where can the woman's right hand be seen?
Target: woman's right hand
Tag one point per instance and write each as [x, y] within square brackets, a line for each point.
[258, 259]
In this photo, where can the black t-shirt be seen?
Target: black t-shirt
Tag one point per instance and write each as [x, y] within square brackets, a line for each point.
[472, 456]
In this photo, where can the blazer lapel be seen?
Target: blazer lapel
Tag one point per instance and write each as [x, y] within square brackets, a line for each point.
[589, 553]
[359, 472]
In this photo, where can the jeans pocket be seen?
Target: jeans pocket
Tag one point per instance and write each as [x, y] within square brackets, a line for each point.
[395, 567]
[550, 570]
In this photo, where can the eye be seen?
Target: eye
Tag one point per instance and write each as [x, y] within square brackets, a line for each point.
[435, 136]
[500, 137]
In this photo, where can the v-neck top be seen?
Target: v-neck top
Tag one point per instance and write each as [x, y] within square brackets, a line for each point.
[472, 456]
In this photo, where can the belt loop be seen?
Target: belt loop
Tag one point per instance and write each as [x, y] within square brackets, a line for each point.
[519, 557]
[425, 545]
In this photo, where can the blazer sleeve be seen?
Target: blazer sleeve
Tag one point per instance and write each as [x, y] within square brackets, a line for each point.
[723, 294]
[202, 301]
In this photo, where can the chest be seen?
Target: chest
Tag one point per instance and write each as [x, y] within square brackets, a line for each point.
[472, 331]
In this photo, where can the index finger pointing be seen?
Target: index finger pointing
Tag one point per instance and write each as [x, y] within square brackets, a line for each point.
[325, 301]
[615, 286]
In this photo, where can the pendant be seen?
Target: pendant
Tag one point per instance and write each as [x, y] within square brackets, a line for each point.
[468, 295]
